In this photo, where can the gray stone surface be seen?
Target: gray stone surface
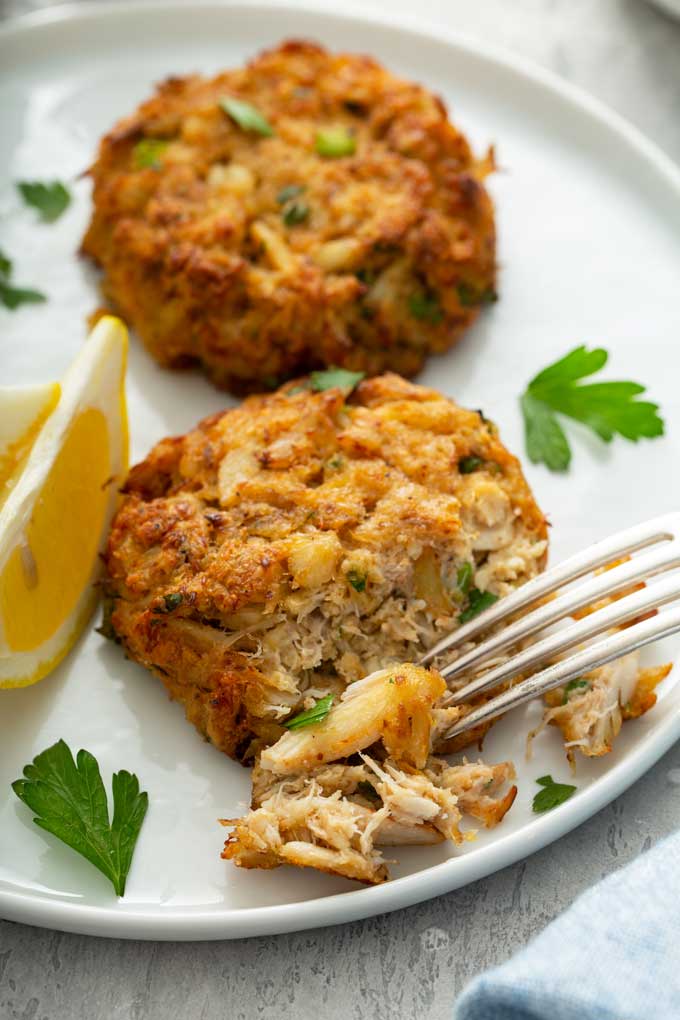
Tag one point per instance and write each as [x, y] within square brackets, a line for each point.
[411, 963]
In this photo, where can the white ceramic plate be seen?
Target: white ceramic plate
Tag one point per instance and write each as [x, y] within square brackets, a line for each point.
[589, 222]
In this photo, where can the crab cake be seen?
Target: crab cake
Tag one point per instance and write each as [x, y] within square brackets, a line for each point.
[299, 542]
[309, 209]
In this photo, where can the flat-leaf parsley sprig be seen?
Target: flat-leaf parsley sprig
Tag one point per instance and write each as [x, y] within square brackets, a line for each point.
[552, 795]
[608, 408]
[69, 800]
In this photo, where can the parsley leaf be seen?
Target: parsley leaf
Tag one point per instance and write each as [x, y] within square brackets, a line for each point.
[49, 199]
[11, 297]
[316, 714]
[426, 308]
[171, 602]
[146, 155]
[290, 191]
[478, 601]
[608, 408]
[294, 213]
[331, 377]
[70, 801]
[572, 686]
[470, 296]
[466, 465]
[552, 795]
[247, 116]
[357, 579]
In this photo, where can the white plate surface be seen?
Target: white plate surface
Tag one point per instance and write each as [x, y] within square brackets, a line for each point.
[589, 223]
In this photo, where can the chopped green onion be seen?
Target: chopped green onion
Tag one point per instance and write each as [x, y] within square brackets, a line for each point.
[246, 116]
[147, 153]
[331, 377]
[335, 142]
[464, 577]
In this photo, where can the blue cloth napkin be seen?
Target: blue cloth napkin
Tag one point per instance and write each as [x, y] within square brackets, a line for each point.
[613, 955]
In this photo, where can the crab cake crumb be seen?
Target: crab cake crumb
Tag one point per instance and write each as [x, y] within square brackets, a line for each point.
[306, 210]
[288, 547]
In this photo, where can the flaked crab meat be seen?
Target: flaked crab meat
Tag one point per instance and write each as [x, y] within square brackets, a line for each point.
[590, 710]
[336, 817]
[314, 808]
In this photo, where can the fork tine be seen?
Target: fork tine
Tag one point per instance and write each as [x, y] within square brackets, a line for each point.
[618, 613]
[612, 582]
[612, 647]
[597, 555]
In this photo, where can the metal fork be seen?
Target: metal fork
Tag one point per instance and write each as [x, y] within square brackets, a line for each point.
[654, 551]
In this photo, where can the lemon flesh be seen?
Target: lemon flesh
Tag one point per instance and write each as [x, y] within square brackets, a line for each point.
[55, 518]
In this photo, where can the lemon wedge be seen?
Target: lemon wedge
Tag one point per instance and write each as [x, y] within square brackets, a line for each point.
[63, 455]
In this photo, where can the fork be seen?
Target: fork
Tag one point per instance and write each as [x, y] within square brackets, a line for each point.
[653, 553]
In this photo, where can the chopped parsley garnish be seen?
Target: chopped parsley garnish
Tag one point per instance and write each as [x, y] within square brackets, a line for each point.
[330, 377]
[171, 602]
[335, 142]
[69, 800]
[147, 153]
[552, 795]
[478, 601]
[426, 307]
[466, 465]
[316, 714]
[247, 116]
[290, 191]
[50, 199]
[368, 791]
[464, 577]
[572, 686]
[470, 296]
[357, 579]
[11, 297]
[607, 408]
[296, 212]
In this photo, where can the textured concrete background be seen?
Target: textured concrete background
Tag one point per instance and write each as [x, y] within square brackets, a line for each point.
[414, 962]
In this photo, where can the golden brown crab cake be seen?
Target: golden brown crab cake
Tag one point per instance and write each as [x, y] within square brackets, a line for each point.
[307, 538]
[337, 218]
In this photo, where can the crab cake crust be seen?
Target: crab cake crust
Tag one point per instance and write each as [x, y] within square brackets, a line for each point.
[288, 547]
[374, 259]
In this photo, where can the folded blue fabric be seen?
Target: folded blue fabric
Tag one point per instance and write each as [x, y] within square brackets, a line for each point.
[613, 955]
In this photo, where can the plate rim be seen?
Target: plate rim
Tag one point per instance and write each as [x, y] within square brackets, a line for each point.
[186, 923]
